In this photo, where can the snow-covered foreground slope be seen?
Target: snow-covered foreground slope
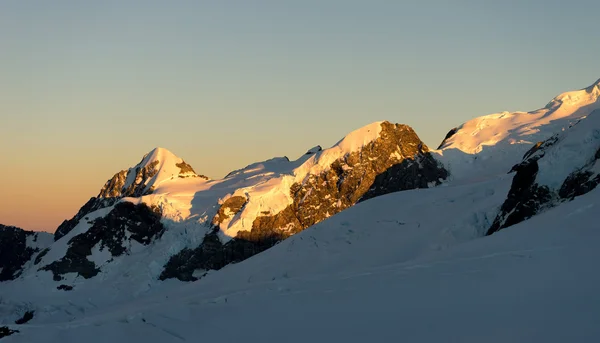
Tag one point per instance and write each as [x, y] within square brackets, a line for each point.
[396, 226]
[492, 144]
[533, 282]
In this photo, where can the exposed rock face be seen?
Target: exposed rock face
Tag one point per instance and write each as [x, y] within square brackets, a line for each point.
[348, 180]
[142, 176]
[580, 182]
[113, 188]
[229, 208]
[139, 176]
[112, 191]
[209, 255]
[124, 223]
[397, 150]
[412, 173]
[188, 171]
[527, 197]
[212, 254]
[14, 252]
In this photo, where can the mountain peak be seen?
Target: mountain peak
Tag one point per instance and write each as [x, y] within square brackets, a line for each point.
[157, 166]
[158, 154]
[160, 151]
[508, 135]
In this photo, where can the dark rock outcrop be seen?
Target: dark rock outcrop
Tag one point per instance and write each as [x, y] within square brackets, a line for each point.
[112, 191]
[212, 254]
[412, 173]
[5, 331]
[140, 221]
[40, 256]
[64, 287]
[209, 255]
[318, 197]
[14, 252]
[527, 198]
[578, 183]
[27, 316]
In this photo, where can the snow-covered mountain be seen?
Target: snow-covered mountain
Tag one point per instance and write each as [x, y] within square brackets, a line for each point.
[200, 224]
[340, 239]
[492, 144]
[155, 168]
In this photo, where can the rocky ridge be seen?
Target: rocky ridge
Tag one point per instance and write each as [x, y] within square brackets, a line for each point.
[396, 160]
[558, 169]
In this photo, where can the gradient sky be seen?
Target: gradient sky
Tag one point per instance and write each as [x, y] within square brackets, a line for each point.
[88, 87]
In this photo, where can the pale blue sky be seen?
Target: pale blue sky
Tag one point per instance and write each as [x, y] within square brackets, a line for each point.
[88, 87]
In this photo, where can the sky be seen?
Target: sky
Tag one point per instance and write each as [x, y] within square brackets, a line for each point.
[87, 88]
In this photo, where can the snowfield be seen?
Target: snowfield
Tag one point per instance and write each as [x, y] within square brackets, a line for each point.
[533, 282]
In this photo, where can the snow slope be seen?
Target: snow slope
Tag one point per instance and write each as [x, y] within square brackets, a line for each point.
[492, 144]
[528, 283]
